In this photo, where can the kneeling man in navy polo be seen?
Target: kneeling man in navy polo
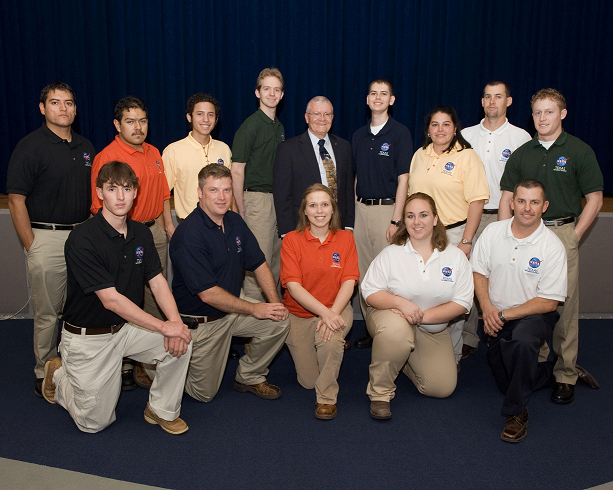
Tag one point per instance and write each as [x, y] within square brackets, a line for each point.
[210, 251]
[519, 268]
[108, 260]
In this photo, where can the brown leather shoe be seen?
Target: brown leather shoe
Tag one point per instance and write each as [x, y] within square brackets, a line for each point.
[467, 350]
[141, 378]
[325, 411]
[586, 377]
[174, 427]
[380, 410]
[516, 427]
[48, 387]
[347, 345]
[262, 390]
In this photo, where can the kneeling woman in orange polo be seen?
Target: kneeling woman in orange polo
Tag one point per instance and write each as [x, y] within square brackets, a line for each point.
[319, 268]
[413, 289]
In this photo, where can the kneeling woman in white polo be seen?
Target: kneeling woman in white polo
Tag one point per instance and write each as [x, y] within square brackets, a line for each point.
[414, 288]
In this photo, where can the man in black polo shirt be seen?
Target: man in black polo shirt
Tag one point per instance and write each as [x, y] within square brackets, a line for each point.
[49, 192]
[108, 260]
[382, 152]
[209, 251]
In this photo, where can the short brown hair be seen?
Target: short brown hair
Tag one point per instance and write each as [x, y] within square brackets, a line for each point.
[117, 173]
[214, 170]
[384, 81]
[303, 221]
[551, 94]
[439, 235]
[493, 83]
[530, 184]
[268, 72]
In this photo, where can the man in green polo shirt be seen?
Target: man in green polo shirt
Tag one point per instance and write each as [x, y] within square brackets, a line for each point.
[253, 150]
[568, 168]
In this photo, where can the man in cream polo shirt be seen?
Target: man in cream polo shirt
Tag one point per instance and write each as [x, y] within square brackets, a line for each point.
[494, 139]
[183, 159]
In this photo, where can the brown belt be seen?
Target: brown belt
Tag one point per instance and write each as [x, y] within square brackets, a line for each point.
[93, 331]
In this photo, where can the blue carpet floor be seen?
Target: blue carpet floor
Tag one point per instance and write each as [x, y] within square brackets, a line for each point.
[240, 441]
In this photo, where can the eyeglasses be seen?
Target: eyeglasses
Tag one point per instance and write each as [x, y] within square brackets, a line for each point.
[326, 115]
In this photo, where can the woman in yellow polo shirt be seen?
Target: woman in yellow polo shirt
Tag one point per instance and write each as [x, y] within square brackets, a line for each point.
[449, 170]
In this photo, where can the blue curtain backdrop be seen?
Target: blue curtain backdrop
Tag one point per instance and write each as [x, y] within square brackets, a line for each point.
[434, 52]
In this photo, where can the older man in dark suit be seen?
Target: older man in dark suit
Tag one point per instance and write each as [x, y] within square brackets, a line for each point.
[316, 156]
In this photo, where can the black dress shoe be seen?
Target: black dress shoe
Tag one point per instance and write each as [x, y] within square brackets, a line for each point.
[586, 377]
[563, 393]
[38, 387]
[363, 342]
[347, 345]
[127, 380]
[233, 354]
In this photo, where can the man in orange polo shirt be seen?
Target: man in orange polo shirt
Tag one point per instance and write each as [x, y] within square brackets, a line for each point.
[152, 205]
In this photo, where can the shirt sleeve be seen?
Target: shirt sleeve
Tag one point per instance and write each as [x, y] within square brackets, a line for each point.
[552, 284]
[405, 153]
[377, 275]
[21, 174]
[168, 157]
[96, 201]
[165, 188]
[474, 178]
[464, 287]
[86, 266]
[351, 269]
[290, 259]
[242, 145]
[590, 176]
[193, 262]
[479, 255]
[511, 174]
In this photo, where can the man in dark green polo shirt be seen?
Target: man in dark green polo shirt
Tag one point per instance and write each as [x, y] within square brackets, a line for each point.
[253, 155]
[568, 168]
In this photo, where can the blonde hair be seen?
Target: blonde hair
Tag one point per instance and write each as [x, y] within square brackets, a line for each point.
[268, 72]
[551, 94]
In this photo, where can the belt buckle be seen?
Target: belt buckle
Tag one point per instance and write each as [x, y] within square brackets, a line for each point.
[370, 202]
[115, 328]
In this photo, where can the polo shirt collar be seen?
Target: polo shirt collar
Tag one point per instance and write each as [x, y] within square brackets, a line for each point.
[560, 141]
[431, 153]
[533, 238]
[265, 118]
[109, 230]
[127, 148]
[310, 238]
[483, 130]
[197, 145]
[408, 248]
[209, 222]
[384, 130]
[56, 139]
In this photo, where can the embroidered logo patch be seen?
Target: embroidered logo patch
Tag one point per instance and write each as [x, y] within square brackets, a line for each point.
[220, 161]
[159, 166]
[560, 164]
[506, 153]
[88, 159]
[238, 245]
[447, 271]
[533, 264]
[336, 259]
[140, 253]
[448, 168]
[385, 150]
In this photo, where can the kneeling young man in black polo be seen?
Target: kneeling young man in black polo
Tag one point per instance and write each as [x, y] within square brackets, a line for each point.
[210, 251]
[519, 268]
[108, 259]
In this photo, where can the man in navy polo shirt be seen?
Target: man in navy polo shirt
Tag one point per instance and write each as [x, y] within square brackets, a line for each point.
[210, 250]
[48, 186]
[108, 259]
[382, 152]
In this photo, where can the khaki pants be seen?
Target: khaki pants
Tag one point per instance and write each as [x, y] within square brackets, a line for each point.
[371, 223]
[469, 334]
[566, 332]
[89, 382]
[426, 358]
[318, 362]
[456, 326]
[262, 221]
[211, 343]
[161, 245]
[47, 277]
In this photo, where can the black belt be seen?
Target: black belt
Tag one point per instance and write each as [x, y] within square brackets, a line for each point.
[254, 190]
[193, 321]
[375, 202]
[149, 223]
[50, 226]
[455, 225]
[558, 221]
[93, 331]
[490, 211]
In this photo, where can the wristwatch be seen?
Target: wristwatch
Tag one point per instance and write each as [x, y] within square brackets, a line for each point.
[501, 316]
[464, 241]
[397, 223]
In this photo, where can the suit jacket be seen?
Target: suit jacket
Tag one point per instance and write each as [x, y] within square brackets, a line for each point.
[296, 169]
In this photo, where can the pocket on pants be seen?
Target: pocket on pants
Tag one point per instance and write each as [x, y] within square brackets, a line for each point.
[86, 402]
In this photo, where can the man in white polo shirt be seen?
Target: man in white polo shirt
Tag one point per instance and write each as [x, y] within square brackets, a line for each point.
[494, 139]
[519, 269]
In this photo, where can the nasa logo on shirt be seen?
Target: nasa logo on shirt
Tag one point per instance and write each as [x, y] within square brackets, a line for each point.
[220, 161]
[448, 168]
[336, 259]
[238, 245]
[504, 156]
[561, 164]
[88, 159]
[385, 150]
[159, 166]
[282, 136]
[140, 253]
[533, 264]
[447, 271]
